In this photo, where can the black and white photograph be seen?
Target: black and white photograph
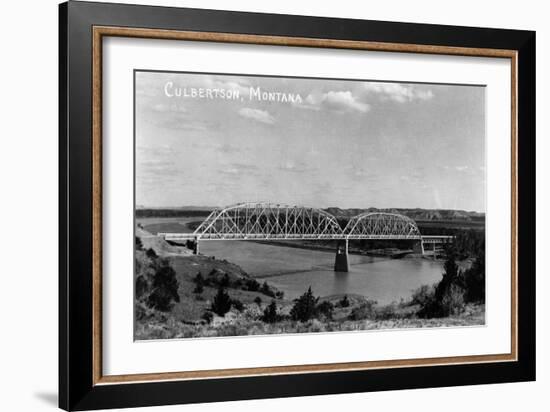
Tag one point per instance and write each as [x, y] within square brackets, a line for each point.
[274, 205]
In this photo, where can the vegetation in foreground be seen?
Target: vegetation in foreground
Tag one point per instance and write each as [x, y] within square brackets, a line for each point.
[198, 296]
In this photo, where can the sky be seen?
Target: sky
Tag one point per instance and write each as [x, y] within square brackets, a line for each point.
[216, 140]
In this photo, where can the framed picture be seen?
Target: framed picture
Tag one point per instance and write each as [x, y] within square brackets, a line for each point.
[257, 205]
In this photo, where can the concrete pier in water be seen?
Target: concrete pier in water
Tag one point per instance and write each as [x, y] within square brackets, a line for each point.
[341, 263]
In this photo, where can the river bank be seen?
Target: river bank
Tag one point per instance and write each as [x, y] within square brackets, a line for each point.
[252, 291]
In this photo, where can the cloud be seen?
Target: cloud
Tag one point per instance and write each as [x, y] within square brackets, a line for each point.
[156, 167]
[397, 92]
[258, 115]
[464, 169]
[334, 100]
[290, 166]
[168, 108]
[240, 168]
[241, 85]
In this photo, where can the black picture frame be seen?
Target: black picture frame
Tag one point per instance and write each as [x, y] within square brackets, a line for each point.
[77, 390]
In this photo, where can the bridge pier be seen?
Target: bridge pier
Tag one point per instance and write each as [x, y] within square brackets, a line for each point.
[341, 263]
[196, 247]
[418, 247]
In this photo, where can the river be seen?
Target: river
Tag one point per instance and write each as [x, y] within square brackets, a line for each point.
[293, 270]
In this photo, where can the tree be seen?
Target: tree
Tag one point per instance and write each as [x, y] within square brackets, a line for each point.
[225, 281]
[266, 290]
[344, 302]
[325, 308]
[207, 316]
[139, 244]
[475, 279]
[452, 274]
[222, 302]
[258, 300]
[270, 313]
[304, 307]
[449, 295]
[165, 289]
[252, 285]
[199, 283]
[237, 304]
[151, 254]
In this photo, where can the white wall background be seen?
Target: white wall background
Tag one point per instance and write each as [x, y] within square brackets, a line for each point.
[28, 192]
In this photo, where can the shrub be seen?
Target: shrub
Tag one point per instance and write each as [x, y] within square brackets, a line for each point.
[141, 286]
[258, 300]
[139, 244]
[474, 279]
[270, 313]
[222, 302]
[224, 283]
[448, 295]
[151, 254]
[237, 304]
[252, 285]
[452, 302]
[305, 307]
[388, 312]
[364, 311]
[325, 309]
[207, 316]
[266, 290]
[199, 283]
[165, 289]
[423, 295]
[344, 302]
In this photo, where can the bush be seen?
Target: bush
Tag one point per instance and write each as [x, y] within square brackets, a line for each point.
[325, 309]
[474, 279]
[448, 295]
[423, 295]
[270, 313]
[452, 302]
[141, 286]
[305, 307]
[222, 302]
[199, 283]
[258, 300]
[344, 302]
[224, 283]
[237, 304]
[207, 316]
[165, 289]
[364, 311]
[266, 290]
[252, 285]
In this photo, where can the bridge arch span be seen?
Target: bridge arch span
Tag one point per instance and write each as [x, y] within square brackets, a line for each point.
[381, 225]
[268, 221]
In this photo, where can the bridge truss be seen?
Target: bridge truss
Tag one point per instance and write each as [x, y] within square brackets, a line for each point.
[268, 221]
[265, 221]
[380, 225]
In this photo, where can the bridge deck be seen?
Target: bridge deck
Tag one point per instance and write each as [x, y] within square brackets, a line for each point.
[290, 236]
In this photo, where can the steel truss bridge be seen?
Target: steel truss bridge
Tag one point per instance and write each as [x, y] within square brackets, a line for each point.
[270, 221]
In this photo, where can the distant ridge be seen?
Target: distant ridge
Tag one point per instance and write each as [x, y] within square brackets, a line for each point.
[415, 214]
